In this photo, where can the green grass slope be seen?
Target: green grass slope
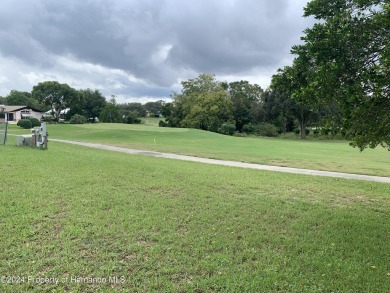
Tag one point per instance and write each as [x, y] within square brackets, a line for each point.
[322, 155]
[169, 226]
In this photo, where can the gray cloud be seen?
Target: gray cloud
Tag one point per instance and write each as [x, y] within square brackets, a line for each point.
[144, 48]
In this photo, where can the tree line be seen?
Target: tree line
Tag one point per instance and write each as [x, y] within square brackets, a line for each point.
[339, 82]
[240, 107]
[85, 104]
[204, 103]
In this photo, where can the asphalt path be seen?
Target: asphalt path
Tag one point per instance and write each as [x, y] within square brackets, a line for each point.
[228, 163]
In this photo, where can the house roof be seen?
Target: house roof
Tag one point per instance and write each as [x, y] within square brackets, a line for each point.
[12, 108]
[16, 108]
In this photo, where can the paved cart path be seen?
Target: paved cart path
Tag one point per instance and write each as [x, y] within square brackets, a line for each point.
[229, 163]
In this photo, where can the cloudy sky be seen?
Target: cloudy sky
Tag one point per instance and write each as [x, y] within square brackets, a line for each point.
[141, 50]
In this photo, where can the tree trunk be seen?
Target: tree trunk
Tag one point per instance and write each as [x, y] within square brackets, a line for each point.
[303, 127]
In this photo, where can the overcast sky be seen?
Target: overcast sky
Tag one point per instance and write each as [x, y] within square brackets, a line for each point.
[141, 50]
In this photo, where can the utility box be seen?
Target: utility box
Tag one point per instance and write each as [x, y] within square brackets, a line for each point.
[39, 136]
[24, 140]
[37, 139]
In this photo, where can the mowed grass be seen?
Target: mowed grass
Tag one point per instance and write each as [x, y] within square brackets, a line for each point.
[322, 155]
[171, 226]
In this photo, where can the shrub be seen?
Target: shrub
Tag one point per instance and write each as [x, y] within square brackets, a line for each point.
[334, 131]
[133, 118]
[267, 129]
[249, 128]
[24, 123]
[48, 119]
[215, 126]
[77, 119]
[325, 131]
[316, 132]
[2, 115]
[240, 134]
[162, 123]
[35, 122]
[307, 131]
[227, 128]
[297, 131]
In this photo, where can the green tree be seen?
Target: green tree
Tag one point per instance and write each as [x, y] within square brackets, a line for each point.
[247, 103]
[94, 103]
[173, 112]
[203, 103]
[154, 108]
[110, 113]
[350, 46]
[291, 83]
[208, 111]
[57, 96]
[126, 109]
[3, 100]
[133, 118]
[204, 83]
[18, 98]
[277, 110]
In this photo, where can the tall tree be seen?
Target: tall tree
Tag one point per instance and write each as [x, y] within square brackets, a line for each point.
[173, 112]
[350, 46]
[94, 103]
[204, 83]
[247, 102]
[126, 109]
[203, 103]
[56, 95]
[208, 111]
[292, 83]
[277, 107]
[18, 98]
[154, 108]
[110, 113]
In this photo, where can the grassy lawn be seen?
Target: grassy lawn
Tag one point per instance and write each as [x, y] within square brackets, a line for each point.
[322, 155]
[171, 226]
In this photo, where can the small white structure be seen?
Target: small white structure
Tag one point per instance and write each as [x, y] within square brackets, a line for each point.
[62, 113]
[37, 138]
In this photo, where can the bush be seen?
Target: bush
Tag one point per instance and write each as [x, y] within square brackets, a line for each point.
[307, 131]
[240, 134]
[35, 122]
[162, 123]
[227, 128]
[77, 119]
[48, 119]
[214, 125]
[316, 132]
[325, 131]
[24, 123]
[133, 118]
[297, 131]
[267, 129]
[249, 128]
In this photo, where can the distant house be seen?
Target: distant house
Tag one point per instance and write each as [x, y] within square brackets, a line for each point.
[12, 114]
[62, 113]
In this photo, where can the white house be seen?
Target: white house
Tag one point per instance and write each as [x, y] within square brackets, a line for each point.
[62, 113]
[12, 114]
